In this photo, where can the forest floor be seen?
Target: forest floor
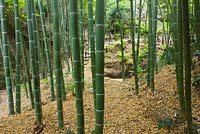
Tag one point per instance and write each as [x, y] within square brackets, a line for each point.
[125, 113]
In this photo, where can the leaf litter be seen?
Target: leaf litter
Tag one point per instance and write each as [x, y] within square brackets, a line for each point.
[125, 113]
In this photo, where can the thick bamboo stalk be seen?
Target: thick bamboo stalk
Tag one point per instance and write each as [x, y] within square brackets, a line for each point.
[57, 62]
[6, 60]
[36, 44]
[180, 61]
[151, 45]
[18, 59]
[100, 7]
[37, 99]
[187, 60]
[73, 16]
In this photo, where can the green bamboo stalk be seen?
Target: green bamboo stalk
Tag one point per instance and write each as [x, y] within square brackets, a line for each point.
[152, 41]
[100, 7]
[154, 21]
[37, 99]
[47, 51]
[36, 44]
[81, 41]
[152, 53]
[180, 62]
[151, 48]
[57, 62]
[63, 39]
[18, 60]
[187, 59]
[73, 16]
[6, 60]
[27, 70]
[175, 34]
[149, 41]
[92, 46]
[133, 48]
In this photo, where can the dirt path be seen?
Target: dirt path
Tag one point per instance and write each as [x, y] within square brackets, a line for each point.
[125, 113]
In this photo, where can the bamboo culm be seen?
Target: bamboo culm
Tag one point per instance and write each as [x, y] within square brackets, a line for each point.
[151, 45]
[154, 23]
[18, 60]
[37, 99]
[73, 16]
[187, 60]
[6, 60]
[149, 40]
[180, 62]
[100, 35]
[133, 48]
[36, 44]
[57, 62]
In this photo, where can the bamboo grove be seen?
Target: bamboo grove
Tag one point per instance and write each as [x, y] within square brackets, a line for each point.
[62, 41]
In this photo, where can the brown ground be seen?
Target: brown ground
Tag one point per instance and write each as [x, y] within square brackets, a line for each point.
[125, 113]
